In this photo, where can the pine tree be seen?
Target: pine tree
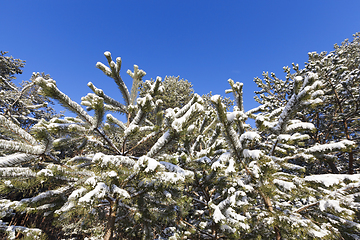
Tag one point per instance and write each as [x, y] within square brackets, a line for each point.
[338, 118]
[22, 104]
[177, 92]
[335, 112]
[254, 190]
[21, 108]
[221, 178]
[8, 68]
[102, 173]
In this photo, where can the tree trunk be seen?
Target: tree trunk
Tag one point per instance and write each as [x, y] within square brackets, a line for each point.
[351, 162]
[333, 167]
[269, 206]
[347, 134]
[277, 232]
[111, 221]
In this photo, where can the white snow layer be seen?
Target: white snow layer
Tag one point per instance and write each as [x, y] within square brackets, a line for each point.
[90, 181]
[284, 184]
[34, 233]
[142, 101]
[111, 174]
[254, 168]
[215, 98]
[217, 215]
[252, 154]
[320, 233]
[160, 143]
[333, 204]
[15, 159]
[238, 115]
[222, 160]
[122, 192]
[298, 78]
[78, 192]
[301, 126]
[44, 195]
[204, 159]
[176, 169]
[250, 136]
[16, 172]
[8, 183]
[16, 129]
[332, 179]
[45, 172]
[170, 177]
[150, 164]
[331, 147]
[179, 123]
[106, 160]
[99, 192]
[285, 138]
[70, 203]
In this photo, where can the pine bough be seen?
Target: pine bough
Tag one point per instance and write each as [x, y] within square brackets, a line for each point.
[207, 175]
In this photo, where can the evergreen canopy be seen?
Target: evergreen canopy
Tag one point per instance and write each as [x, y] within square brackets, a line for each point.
[206, 174]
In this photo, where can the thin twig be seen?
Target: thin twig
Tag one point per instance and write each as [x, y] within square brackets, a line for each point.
[306, 207]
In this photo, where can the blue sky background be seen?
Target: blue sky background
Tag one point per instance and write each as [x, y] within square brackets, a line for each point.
[205, 42]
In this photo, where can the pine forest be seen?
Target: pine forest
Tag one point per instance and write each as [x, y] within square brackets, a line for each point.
[181, 165]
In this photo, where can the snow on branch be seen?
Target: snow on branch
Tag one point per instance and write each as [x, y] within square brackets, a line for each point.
[229, 132]
[237, 90]
[176, 169]
[65, 127]
[21, 147]
[149, 164]
[10, 126]
[162, 143]
[260, 108]
[343, 146]
[249, 136]
[137, 76]
[12, 231]
[106, 98]
[111, 119]
[16, 159]
[309, 85]
[300, 126]
[236, 115]
[285, 114]
[252, 154]
[47, 194]
[99, 192]
[107, 160]
[11, 172]
[179, 123]
[48, 88]
[329, 180]
[114, 72]
[184, 109]
[145, 104]
[119, 191]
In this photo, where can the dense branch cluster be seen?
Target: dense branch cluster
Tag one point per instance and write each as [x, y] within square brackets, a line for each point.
[191, 170]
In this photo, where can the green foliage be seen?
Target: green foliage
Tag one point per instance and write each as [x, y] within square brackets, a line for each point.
[21, 104]
[187, 167]
[176, 92]
[8, 68]
[334, 109]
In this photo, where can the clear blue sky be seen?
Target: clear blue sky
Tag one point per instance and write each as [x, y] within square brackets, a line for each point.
[205, 42]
